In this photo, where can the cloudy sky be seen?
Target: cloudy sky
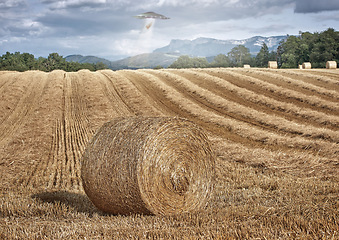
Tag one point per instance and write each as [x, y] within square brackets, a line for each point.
[107, 28]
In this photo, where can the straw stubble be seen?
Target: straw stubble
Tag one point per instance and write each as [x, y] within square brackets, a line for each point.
[148, 165]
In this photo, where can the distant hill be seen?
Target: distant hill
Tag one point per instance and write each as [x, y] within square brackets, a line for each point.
[206, 47]
[146, 60]
[165, 56]
[87, 59]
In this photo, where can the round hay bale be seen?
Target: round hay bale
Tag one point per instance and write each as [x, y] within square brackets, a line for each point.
[247, 66]
[272, 64]
[148, 165]
[307, 65]
[331, 64]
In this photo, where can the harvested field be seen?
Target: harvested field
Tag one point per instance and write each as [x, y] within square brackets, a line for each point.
[275, 133]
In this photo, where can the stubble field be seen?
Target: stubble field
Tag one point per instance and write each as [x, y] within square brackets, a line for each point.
[275, 134]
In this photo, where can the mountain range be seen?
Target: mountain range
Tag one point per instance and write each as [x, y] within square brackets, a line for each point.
[200, 47]
[206, 47]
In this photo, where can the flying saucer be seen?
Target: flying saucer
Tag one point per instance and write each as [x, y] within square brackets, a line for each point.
[151, 15]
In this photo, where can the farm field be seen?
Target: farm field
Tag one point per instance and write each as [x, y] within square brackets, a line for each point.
[275, 133]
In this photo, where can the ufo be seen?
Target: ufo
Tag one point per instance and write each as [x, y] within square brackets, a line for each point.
[151, 15]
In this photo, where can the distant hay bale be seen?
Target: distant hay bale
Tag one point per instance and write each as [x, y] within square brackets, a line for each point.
[247, 66]
[331, 64]
[148, 165]
[300, 66]
[272, 64]
[307, 65]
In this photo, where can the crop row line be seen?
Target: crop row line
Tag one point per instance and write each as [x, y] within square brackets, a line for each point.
[312, 76]
[258, 99]
[242, 129]
[252, 115]
[300, 97]
[297, 83]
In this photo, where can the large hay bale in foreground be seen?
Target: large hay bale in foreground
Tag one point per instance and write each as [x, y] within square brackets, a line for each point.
[158, 165]
[307, 65]
[273, 64]
[331, 64]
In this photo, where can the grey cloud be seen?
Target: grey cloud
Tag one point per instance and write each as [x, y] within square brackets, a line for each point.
[12, 13]
[68, 25]
[74, 4]
[79, 23]
[8, 4]
[309, 6]
[270, 27]
[116, 15]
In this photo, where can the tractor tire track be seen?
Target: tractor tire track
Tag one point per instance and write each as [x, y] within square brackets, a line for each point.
[117, 101]
[23, 108]
[136, 102]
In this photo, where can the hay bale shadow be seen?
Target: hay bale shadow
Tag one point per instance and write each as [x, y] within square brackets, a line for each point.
[79, 202]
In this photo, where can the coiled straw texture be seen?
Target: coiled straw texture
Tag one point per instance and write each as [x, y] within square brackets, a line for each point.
[148, 165]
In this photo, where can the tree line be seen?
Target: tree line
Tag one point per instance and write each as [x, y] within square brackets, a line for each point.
[25, 61]
[317, 48]
[237, 57]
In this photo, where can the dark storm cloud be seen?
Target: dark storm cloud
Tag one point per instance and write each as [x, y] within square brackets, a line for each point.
[313, 6]
[226, 9]
[109, 25]
[88, 17]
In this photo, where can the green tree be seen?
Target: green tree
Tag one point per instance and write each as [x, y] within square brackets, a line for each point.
[316, 48]
[55, 61]
[73, 67]
[182, 62]
[221, 60]
[7, 61]
[200, 62]
[186, 62]
[289, 52]
[100, 66]
[262, 58]
[29, 61]
[17, 61]
[26, 61]
[272, 56]
[325, 48]
[239, 56]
